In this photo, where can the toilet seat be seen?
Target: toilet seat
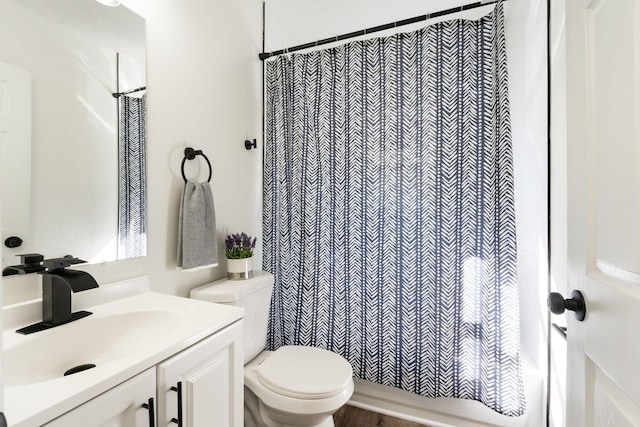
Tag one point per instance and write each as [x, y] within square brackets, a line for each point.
[305, 373]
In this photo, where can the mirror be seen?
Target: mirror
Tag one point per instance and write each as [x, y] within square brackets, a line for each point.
[73, 165]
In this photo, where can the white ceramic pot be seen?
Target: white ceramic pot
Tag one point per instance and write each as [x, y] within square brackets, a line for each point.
[240, 269]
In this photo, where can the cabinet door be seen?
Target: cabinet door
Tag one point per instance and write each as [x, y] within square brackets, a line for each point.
[119, 407]
[203, 385]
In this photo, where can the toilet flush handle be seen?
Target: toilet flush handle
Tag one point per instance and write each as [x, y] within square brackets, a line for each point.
[178, 389]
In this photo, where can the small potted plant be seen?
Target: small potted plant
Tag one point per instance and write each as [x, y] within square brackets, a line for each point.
[239, 251]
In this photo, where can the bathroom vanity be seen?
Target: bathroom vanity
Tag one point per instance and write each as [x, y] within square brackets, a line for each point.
[159, 360]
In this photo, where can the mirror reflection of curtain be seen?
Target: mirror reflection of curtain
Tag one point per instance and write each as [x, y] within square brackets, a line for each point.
[132, 158]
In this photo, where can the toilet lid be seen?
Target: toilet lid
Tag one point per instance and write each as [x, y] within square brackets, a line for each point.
[305, 372]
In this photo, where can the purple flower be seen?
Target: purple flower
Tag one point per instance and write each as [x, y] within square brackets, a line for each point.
[228, 242]
[239, 245]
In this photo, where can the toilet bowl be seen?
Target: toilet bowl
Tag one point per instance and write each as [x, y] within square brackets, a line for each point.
[296, 386]
[292, 386]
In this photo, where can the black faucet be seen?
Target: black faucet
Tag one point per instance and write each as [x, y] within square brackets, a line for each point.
[29, 263]
[57, 286]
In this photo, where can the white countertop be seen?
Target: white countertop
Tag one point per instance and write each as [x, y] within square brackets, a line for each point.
[189, 321]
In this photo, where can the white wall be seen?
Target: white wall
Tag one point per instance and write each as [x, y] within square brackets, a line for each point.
[204, 90]
[291, 22]
[527, 55]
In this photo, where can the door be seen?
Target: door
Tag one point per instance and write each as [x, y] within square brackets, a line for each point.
[15, 155]
[202, 385]
[129, 404]
[15, 135]
[603, 210]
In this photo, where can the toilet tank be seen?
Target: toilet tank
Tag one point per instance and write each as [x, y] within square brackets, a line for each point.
[254, 295]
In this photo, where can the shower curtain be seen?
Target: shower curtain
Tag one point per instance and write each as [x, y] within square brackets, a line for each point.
[389, 211]
[132, 158]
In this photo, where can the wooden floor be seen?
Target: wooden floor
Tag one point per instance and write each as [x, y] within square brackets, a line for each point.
[349, 416]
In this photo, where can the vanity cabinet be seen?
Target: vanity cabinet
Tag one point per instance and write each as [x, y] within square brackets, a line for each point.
[202, 386]
[120, 406]
[197, 387]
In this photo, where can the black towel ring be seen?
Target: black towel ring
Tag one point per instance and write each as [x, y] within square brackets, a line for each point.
[190, 154]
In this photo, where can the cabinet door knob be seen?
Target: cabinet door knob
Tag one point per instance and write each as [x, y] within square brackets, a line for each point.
[152, 411]
[178, 389]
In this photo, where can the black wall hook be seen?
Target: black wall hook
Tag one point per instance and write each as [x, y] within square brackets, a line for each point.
[190, 154]
[249, 145]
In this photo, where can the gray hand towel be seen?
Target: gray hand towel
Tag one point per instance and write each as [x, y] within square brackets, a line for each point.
[197, 243]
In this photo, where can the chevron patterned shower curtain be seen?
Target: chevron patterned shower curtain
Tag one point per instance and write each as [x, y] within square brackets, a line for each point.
[389, 211]
[132, 187]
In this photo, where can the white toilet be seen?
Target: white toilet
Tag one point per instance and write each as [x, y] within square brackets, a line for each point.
[292, 386]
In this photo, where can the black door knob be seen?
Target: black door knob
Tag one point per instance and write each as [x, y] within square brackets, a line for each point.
[13, 242]
[557, 304]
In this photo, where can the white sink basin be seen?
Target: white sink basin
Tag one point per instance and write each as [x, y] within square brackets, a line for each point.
[122, 338]
[97, 340]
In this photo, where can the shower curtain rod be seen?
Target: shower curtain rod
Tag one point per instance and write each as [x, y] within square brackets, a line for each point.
[378, 28]
[119, 94]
